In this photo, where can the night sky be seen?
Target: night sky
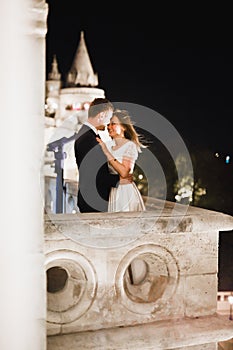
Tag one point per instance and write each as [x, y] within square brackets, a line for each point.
[182, 70]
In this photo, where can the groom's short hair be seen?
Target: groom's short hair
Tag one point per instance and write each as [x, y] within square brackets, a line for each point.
[99, 105]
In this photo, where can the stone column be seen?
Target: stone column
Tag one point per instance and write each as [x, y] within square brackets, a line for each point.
[22, 276]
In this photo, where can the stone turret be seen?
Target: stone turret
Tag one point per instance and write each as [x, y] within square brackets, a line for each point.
[54, 74]
[53, 86]
[80, 88]
[81, 72]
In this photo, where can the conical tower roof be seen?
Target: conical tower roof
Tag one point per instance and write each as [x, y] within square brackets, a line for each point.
[54, 74]
[81, 72]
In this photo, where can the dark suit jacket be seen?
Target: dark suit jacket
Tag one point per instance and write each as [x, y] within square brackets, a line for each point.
[95, 181]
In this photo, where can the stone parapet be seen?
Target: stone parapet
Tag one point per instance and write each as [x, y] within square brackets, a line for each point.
[171, 249]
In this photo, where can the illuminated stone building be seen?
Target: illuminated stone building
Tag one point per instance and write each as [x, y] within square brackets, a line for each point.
[66, 105]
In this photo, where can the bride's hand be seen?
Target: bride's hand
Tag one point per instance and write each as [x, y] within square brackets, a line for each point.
[102, 144]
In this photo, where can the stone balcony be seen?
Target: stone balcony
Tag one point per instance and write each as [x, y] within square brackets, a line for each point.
[135, 280]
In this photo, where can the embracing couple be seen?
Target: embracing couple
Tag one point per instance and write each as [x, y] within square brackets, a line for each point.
[105, 171]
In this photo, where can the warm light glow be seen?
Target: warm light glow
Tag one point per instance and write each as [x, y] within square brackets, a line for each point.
[77, 106]
[184, 192]
[86, 106]
[140, 176]
[217, 155]
[140, 187]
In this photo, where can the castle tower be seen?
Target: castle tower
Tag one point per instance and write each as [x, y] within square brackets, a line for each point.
[53, 86]
[81, 86]
[81, 72]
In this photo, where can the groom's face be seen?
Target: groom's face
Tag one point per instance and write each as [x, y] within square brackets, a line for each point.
[104, 119]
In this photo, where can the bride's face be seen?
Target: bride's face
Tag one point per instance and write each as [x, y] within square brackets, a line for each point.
[115, 129]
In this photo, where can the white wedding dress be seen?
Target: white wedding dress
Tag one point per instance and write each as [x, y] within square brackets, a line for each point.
[126, 197]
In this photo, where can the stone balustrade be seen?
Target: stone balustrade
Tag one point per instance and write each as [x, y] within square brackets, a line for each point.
[111, 270]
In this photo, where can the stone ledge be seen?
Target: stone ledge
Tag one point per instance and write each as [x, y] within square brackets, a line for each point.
[163, 217]
[157, 335]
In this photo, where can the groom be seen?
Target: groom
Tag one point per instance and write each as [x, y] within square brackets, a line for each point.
[95, 181]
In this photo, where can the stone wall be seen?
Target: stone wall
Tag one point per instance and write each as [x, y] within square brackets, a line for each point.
[124, 269]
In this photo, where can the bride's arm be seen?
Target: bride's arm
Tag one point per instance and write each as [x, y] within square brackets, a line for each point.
[123, 168]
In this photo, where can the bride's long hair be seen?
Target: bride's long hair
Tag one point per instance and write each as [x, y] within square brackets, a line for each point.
[130, 133]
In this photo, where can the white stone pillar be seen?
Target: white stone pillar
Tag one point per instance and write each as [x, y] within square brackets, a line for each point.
[22, 84]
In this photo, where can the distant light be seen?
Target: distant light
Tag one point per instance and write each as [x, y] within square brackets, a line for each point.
[216, 154]
[227, 159]
[140, 186]
[77, 106]
[187, 193]
[177, 198]
[86, 106]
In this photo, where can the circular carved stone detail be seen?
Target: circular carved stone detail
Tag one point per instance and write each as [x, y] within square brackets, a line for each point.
[146, 278]
[76, 296]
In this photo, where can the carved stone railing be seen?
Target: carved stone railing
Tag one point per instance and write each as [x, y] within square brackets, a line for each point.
[156, 268]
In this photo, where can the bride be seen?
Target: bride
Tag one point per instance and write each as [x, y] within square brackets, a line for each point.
[121, 155]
